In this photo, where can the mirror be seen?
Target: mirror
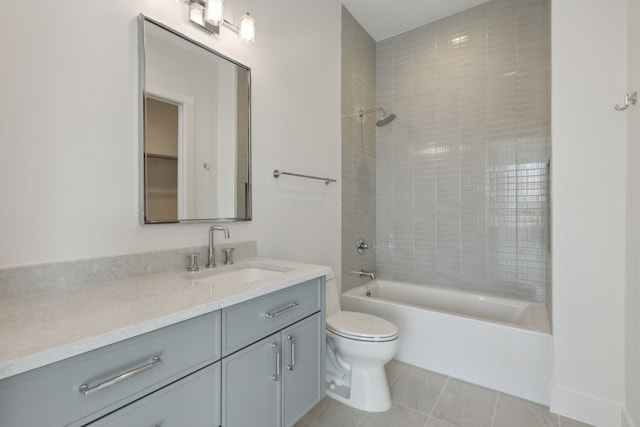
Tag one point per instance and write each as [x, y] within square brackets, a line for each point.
[195, 128]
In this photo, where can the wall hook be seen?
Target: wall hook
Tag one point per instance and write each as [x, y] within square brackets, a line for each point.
[633, 99]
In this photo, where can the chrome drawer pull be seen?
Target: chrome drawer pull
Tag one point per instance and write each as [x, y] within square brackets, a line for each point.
[86, 390]
[292, 365]
[279, 312]
[276, 376]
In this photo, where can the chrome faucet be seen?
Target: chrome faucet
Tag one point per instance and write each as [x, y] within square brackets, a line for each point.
[211, 259]
[365, 273]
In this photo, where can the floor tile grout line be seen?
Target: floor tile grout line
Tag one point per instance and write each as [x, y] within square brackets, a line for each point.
[366, 414]
[495, 409]
[410, 408]
[439, 396]
[404, 366]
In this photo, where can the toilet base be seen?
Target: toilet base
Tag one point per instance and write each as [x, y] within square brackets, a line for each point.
[369, 390]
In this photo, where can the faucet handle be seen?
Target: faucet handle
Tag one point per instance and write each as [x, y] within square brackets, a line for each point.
[193, 261]
[362, 245]
[228, 256]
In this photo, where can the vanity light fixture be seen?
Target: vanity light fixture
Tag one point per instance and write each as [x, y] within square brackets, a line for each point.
[208, 15]
[214, 12]
[247, 28]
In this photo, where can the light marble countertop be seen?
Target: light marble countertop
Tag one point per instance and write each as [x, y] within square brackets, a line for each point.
[37, 330]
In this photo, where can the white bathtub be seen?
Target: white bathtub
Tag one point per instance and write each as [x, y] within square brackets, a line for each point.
[497, 343]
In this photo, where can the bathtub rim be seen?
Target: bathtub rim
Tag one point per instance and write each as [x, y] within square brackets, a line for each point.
[544, 330]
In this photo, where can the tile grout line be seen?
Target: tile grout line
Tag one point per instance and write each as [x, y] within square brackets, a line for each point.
[495, 409]
[404, 366]
[410, 408]
[439, 396]
[362, 420]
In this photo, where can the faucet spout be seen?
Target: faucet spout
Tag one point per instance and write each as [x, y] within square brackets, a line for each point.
[371, 274]
[211, 259]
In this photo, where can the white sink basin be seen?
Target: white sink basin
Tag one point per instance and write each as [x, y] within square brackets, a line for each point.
[237, 276]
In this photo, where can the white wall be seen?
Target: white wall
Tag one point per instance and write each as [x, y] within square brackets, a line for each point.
[69, 165]
[589, 52]
[633, 224]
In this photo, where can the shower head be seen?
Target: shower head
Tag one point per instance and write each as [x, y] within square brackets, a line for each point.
[385, 120]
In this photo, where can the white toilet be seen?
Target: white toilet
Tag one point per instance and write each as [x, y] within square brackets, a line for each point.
[358, 347]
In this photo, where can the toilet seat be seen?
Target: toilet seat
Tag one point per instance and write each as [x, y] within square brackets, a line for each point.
[361, 327]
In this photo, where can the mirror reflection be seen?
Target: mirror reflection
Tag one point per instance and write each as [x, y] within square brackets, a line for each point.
[196, 147]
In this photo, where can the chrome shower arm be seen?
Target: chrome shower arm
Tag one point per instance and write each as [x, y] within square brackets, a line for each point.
[372, 110]
[363, 112]
[384, 120]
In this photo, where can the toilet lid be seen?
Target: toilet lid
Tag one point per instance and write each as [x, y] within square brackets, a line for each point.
[361, 326]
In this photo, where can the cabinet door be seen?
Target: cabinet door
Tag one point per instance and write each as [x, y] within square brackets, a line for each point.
[193, 401]
[302, 367]
[251, 381]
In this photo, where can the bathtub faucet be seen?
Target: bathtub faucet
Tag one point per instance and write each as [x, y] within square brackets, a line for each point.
[365, 273]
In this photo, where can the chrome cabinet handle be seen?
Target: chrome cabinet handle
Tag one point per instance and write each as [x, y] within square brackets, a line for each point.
[281, 311]
[292, 365]
[86, 390]
[276, 376]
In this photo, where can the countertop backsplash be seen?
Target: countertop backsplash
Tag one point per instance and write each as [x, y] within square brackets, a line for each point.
[59, 276]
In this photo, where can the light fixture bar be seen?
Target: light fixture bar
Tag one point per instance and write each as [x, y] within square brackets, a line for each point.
[246, 30]
[209, 16]
[198, 14]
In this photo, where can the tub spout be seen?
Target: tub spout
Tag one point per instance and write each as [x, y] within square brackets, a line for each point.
[365, 273]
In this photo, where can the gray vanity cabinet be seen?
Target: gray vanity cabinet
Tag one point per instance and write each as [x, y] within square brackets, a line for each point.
[257, 363]
[250, 395]
[81, 389]
[302, 373]
[276, 380]
[193, 401]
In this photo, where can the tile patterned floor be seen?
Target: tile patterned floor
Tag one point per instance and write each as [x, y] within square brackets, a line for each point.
[426, 399]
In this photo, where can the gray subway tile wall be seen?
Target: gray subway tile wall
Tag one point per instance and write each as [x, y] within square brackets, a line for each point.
[461, 174]
[358, 150]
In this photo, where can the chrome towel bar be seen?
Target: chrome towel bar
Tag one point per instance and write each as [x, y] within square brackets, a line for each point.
[277, 173]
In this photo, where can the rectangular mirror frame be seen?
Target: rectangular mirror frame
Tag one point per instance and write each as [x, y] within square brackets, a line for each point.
[142, 153]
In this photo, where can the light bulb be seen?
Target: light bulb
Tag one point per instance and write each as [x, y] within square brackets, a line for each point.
[214, 12]
[247, 29]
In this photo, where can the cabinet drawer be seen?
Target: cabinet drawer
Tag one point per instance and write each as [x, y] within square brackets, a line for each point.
[247, 322]
[193, 401]
[95, 383]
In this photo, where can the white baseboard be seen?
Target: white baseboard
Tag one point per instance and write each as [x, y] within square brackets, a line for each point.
[627, 421]
[588, 409]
